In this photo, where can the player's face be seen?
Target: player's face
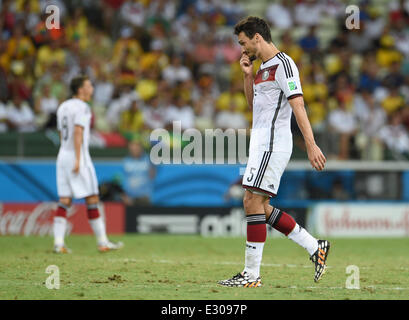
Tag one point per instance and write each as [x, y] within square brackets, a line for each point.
[248, 46]
[87, 90]
[135, 149]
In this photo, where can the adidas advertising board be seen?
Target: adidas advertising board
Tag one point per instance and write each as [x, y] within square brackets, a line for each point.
[208, 222]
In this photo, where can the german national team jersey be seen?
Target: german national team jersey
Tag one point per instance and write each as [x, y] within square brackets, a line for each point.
[276, 82]
[69, 114]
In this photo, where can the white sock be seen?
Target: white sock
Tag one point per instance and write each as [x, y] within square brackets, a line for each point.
[301, 236]
[59, 226]
[98, 227]
[254, 254]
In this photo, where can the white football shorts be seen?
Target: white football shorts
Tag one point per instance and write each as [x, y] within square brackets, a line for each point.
[78, 186]
[263, 172]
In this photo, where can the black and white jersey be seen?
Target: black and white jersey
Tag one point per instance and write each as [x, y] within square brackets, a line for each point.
[276, 82]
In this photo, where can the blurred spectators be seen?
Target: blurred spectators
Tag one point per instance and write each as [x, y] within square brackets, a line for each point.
[176, 71]
[310, 43]
[343, 126]
[157, 61]
[232, 11]
[19, 46]
[309, 12]
[132, 119]
[290, 47]
[234, 95]
[45, 108]
[360, 40]
[368, 78]
[279, 14]
[20, 115]
[181, 111]
[204, 108]
[122, 98]
[104, 88]
[154, 114]
[3, 118]
[133, 12]
[231, 118]
[127, 49]
[147, 84]
[395, 136]
[371, 119]
[227, 51]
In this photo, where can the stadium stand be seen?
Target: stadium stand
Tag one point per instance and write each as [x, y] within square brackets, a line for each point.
[154, 61]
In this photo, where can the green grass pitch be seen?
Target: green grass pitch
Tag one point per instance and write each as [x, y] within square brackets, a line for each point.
[168, 267]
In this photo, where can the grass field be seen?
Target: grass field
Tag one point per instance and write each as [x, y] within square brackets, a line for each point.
[167, 267]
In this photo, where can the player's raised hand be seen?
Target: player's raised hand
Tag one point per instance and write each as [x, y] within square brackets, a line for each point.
[246, 64]
[316, 157]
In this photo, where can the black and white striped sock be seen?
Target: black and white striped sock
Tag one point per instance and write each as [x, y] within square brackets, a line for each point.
[256, 218]
[274, 217]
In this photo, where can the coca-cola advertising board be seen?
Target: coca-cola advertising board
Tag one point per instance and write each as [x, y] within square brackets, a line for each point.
[359, 220]
[37, 218]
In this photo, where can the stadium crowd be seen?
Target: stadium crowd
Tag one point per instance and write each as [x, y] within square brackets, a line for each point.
[156, 61]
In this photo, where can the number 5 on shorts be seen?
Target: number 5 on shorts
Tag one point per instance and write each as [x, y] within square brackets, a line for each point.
[251, 174]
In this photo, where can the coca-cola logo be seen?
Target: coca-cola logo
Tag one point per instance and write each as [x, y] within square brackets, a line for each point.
[33, 219]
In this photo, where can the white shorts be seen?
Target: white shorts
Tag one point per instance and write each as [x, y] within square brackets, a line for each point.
[264, 170]
[78, 186]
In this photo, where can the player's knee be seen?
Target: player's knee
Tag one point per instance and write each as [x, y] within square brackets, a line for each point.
[94, 199]
[65, 201]
[252, 203]
[246, 200]
[267, 207]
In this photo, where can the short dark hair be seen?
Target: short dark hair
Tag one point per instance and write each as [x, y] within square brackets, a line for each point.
[77, 82]
[252, 25]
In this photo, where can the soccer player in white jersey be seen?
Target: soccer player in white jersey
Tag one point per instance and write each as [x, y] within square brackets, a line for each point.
[273, 94]
[76, 176]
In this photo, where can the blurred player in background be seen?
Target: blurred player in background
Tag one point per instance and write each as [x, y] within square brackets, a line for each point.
[273, 94]
[76, 176]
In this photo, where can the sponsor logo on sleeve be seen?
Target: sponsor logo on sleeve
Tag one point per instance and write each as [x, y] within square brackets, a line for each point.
[292, 85]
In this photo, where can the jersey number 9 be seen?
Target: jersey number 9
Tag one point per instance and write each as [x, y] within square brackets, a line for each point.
[65, 128]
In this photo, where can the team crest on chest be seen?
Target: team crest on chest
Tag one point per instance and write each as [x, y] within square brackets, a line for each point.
[265, 75]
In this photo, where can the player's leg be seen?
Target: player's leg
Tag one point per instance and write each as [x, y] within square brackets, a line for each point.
[256, 236]
[65, 198]
[60, 225]
[85, 186]
[95, 219]
[317, 249]
[256, 231]
[98, 225]
[284, 223]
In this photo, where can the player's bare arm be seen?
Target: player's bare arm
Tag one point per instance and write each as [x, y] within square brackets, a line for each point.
[78, 136]
[315, 155]
[247, 68]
